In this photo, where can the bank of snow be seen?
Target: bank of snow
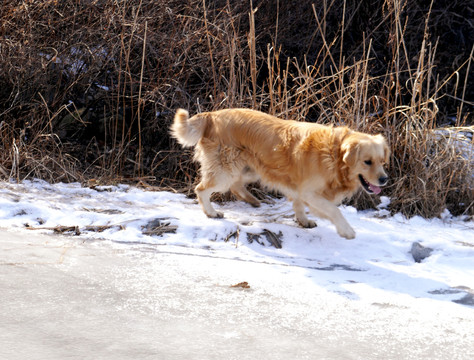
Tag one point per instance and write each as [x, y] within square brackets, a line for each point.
[376, 266]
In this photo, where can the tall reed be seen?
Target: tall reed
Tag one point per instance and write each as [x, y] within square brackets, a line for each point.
[89, 88]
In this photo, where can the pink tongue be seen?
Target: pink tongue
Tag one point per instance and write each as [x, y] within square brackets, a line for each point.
[374, 188]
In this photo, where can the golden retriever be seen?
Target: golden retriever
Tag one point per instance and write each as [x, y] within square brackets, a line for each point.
[313, 165]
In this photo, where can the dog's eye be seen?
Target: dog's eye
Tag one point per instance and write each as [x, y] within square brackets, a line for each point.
[368, 162]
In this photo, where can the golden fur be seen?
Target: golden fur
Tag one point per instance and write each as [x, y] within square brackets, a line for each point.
[313, 165]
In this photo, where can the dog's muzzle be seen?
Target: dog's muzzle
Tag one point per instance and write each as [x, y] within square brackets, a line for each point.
[371, 188]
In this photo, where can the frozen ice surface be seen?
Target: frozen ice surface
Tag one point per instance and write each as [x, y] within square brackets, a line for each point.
[121, 294]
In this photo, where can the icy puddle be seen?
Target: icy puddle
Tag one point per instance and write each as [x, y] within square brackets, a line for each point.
[65, 298]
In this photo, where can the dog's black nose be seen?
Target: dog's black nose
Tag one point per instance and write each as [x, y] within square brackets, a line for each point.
[383, 180]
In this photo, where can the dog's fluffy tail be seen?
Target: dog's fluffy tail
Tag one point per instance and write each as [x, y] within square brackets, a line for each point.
[188, 131]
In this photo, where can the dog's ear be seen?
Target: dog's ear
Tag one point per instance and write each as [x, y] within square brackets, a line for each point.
[350, 151]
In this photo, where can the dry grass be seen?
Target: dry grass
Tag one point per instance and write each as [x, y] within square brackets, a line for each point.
[89, 87]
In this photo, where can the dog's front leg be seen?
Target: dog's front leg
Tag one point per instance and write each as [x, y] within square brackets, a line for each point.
[298, 207]
[323, 208]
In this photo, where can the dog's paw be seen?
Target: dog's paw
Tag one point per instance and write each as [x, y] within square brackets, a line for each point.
[255, 204]
[306, 223]
[347, 232]
[215, 215]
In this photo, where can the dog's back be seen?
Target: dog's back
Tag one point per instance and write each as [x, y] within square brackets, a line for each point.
[267, 144]
[241, 128]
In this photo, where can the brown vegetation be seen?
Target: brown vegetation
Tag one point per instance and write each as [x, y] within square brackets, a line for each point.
[88, 87]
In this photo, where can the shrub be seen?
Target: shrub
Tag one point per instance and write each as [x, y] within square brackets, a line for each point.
[89, 88]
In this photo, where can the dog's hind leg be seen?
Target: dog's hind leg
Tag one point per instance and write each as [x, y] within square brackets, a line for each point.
[241, 193]
[238, 188]
[207, 187]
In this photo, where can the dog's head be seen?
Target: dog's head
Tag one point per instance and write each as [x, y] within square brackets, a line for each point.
[365, 156]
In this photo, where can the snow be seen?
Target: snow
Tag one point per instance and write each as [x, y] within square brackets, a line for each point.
[374, 268]
[145, 274]
[459, 139]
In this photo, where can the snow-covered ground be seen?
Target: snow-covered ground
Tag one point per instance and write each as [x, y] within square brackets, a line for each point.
[376, 267]
[145, 274]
